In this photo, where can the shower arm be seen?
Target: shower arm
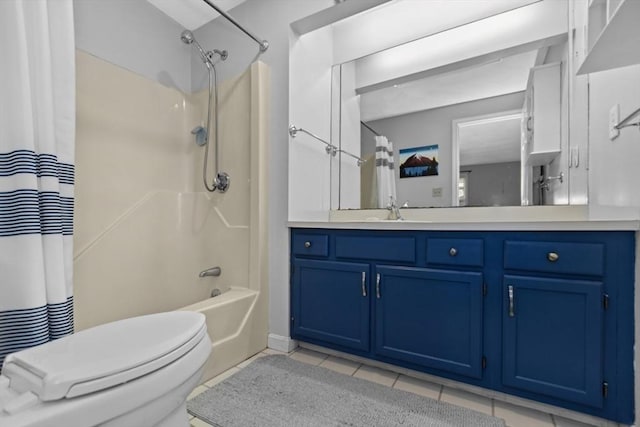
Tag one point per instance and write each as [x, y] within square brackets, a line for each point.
[264, 45]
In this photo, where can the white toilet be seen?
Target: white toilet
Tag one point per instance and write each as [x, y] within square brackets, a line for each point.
[135, 372]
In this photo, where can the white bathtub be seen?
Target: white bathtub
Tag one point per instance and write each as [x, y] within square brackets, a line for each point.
[234, 326]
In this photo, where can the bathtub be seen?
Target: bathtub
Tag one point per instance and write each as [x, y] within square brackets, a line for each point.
[234, 326]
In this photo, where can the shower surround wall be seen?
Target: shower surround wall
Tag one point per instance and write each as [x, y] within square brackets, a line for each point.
[145, 227]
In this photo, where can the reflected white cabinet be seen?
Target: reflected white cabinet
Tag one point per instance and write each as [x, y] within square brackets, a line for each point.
[541, 126]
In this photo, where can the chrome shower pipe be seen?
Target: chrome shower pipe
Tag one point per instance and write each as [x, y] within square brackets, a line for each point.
[264, 45]
[222, 180]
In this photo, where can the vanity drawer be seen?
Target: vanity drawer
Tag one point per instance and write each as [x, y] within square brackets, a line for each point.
[463, 252]
[555, 257]
[376, 248]
[311, 245]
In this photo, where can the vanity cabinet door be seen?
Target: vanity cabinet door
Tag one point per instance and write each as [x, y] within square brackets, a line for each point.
[330, 303]
[552, 337]
[432, 318]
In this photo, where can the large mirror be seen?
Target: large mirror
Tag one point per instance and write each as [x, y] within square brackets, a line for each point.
[475, 115]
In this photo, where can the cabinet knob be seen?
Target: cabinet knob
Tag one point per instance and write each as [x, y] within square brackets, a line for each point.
[553, 257]
[453, 252]
[307, 244]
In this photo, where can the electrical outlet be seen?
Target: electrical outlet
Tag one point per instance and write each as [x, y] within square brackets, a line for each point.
[614, 119]
[436, 192]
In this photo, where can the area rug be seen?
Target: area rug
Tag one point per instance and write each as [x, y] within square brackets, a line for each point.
[279, 391]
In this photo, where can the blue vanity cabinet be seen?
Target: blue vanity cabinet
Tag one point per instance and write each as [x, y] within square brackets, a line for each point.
[331, 302]
[553, 337]
[545, 316]
[432, 318]
[553, 327]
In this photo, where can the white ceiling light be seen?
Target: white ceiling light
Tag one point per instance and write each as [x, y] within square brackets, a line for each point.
[192, 14]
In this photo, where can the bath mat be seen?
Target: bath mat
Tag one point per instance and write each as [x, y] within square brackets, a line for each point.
[279, 391]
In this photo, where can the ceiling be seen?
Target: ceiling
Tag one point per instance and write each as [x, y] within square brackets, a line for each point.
[192, 14]
[493, 140]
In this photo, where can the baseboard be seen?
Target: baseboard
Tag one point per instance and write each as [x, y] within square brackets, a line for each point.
[280, 343]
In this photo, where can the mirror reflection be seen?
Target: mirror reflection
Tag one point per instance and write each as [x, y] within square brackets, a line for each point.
[472, 116]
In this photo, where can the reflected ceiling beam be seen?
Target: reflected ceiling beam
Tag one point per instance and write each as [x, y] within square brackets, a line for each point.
[538, 21]
[333, 14]
[541, 57]
[404, 21]
[478, 61]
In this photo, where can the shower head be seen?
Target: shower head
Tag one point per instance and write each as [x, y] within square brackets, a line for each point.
[187, 37]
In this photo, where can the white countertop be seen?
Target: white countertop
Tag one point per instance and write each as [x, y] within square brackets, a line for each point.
[541, 218]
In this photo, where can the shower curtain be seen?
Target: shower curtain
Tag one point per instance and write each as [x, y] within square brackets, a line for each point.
[37, 131]
[385, 172]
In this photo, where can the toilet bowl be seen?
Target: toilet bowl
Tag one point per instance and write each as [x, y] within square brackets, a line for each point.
[135, 372]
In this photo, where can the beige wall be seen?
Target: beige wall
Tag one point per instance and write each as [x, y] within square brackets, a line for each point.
[144, 227]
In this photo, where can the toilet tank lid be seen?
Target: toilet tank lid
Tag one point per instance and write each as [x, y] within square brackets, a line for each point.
[105, 355]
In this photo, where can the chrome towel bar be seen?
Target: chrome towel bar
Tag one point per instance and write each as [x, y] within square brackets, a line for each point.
[330, 148]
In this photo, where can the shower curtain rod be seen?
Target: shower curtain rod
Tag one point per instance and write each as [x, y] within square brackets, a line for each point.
[264, 45]
[369, 127]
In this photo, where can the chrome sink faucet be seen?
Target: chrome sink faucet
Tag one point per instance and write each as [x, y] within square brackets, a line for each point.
[394, 210]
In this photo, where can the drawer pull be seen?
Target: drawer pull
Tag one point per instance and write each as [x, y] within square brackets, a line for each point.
[378, 285]
[364, 284]
[453, 252]
[553, 256]
[511, 308]
[307, 244]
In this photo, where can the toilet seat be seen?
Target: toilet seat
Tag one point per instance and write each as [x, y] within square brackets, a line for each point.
[99, 358]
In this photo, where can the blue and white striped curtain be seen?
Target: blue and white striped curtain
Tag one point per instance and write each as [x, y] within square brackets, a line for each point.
[385, 172]
[37, 133]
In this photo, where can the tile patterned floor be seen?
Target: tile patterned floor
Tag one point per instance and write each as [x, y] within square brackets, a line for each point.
[514, 416]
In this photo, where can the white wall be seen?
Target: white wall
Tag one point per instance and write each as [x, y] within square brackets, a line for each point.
[434, 127]
[310, 167]
[614, 174]
[349, 139]
[495, 184]
[136, 36]
[578, 108]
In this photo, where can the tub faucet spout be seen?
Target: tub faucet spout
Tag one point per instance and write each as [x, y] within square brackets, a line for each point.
[213, 271]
